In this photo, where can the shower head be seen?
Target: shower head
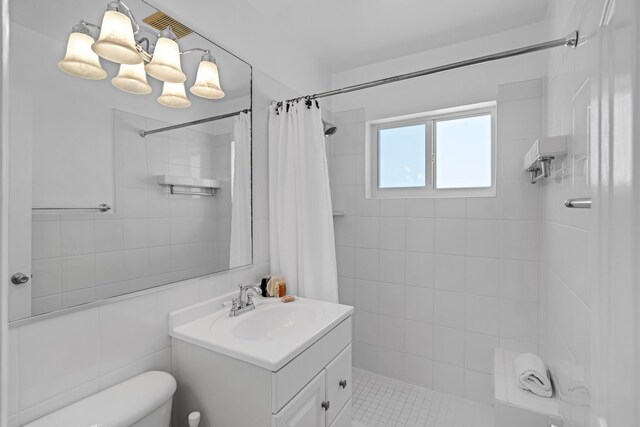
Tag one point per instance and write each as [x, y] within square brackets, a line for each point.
[329, 128]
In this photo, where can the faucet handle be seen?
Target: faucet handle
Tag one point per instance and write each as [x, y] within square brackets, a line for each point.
[234, 304]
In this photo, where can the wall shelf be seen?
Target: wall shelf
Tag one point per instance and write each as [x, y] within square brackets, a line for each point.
[207, 185]
[538, 159]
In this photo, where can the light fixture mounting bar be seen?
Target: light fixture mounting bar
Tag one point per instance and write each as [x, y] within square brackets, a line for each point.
[195, 49]
[89, 24]
[571, 40]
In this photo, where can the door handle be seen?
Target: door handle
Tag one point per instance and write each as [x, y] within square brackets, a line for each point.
[343, 383]
[325, 405]
[19, 279]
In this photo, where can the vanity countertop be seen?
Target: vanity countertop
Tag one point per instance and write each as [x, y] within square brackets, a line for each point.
[270, 336]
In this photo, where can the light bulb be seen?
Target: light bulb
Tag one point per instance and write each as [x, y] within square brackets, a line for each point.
[173, 95]
[207, 83]
[116, 42]
[165, 64]
[80, 60]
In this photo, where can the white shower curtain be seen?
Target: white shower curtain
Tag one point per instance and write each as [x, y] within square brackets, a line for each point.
[300, 217]
[240, 246]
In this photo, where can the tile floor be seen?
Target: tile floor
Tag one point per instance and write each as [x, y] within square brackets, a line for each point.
[384, 402]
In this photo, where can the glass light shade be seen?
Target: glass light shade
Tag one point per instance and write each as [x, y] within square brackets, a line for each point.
[207, 83]
[174, 95]
[80, 61]
[132, 79]
[116, 41]
[165, 64]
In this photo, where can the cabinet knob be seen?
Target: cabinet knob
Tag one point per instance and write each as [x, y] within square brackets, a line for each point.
[343, 383]
[325, 405]
[19, 279]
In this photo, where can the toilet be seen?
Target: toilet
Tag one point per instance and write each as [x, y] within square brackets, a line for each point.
[141, 401]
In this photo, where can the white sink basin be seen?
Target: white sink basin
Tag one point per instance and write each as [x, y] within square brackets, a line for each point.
[273, 321]
[269, 336]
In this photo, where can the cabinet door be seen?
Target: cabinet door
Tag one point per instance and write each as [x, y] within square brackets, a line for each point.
[305, 409]
[338, 378]
[343, 419]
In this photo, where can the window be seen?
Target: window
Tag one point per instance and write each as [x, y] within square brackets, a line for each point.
[403, 150]
[446, 153]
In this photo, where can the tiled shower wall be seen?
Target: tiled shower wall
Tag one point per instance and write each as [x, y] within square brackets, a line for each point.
[439, 283]
[151, 237]
[567, 233]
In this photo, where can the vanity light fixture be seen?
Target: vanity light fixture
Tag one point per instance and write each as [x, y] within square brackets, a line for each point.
[80, 60]
[121, 41]
[165, 64]
[207, 83]
[116, 42]
[132, 79]
[173, 95]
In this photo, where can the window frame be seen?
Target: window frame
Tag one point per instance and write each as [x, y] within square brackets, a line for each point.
[429, 119]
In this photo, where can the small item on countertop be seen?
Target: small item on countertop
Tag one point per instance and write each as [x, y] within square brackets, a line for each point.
[288, 298]
[273, 286]
[282, 288]
[269, 286]
[263, 285]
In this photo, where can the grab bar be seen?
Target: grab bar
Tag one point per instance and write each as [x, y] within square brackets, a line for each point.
[103, 207]
[580, 203]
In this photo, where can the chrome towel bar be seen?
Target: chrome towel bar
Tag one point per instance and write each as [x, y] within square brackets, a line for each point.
[580, 203]
[103, 207]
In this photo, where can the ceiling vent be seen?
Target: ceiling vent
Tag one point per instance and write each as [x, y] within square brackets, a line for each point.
[160, 21]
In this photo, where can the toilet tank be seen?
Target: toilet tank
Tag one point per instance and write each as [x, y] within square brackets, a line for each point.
[141, 401]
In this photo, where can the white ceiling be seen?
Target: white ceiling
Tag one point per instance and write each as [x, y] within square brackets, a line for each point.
[327, 35]
[349, 33]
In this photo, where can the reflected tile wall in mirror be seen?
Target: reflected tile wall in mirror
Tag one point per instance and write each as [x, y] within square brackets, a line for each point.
[83, 136]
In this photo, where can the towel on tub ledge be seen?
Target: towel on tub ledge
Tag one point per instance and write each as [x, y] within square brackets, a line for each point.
[531, 374]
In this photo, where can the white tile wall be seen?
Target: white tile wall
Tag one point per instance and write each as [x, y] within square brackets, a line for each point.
[566, 233]
[438, 283]
[70, 356]
[151, 238]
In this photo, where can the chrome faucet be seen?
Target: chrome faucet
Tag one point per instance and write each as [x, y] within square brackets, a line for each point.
[244, 302]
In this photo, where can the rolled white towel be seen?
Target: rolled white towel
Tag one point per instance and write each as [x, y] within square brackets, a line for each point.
[531, 374]
[570, 383]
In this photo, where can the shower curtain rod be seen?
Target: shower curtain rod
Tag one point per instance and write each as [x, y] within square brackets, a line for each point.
[144, 133]
[569, 41]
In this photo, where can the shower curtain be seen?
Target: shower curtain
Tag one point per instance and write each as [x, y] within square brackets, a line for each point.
[240, 245]
[302, 245]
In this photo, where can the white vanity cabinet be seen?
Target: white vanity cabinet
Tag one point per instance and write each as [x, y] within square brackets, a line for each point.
[312, 388]
[325, 401]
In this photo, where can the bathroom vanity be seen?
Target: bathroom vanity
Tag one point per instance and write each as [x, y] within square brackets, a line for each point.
[281, 364]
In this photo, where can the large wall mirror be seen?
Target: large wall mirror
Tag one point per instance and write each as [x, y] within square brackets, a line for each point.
[111, 211]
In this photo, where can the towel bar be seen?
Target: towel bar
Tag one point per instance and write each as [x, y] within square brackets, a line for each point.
[103, 207]
[580, 203]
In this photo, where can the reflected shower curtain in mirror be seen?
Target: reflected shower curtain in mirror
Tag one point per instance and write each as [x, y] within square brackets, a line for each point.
[240, 247]
[301, 235]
